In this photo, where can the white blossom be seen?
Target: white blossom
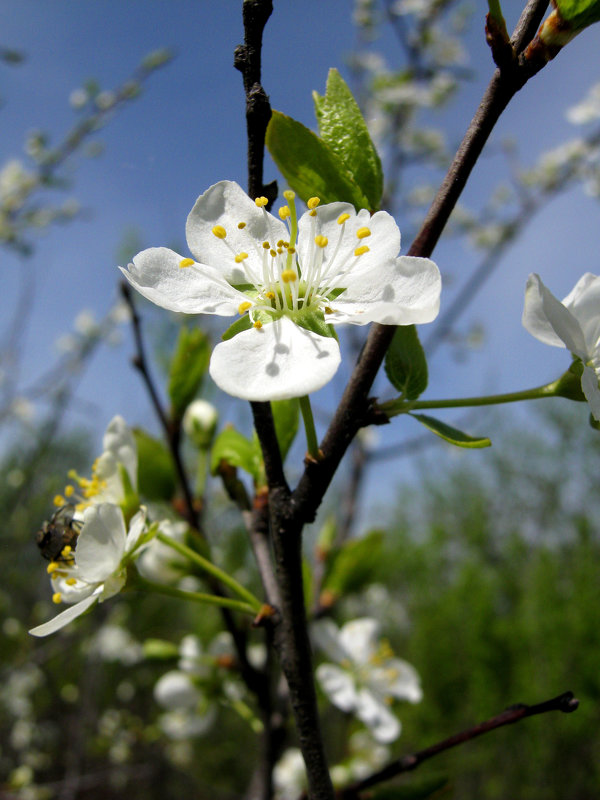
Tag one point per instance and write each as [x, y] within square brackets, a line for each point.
[287, 284]
[574, 324]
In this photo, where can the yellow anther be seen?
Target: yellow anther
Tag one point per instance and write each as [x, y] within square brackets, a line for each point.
[342, 218]
[289, 194]
[321, 241]
[266, 245]
[66, 551]
[187, 262]
[279, 251]
[313, 202]
[291, 250]
[69, 491]
[288, 275]
[362, 233]
[71, 581]
[328, 310]
[57, 598]
[273, 253]
[280, 243]
[241, 225]
[261, 202]
[219, 231]
[59, 500]
[312, 213]
[240, 257]
[258, 324]
[284, 212]
[52, 567]
[243, 307]
[360, 251]
[270, 295]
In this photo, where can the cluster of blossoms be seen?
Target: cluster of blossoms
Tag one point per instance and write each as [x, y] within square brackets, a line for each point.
[289, 281]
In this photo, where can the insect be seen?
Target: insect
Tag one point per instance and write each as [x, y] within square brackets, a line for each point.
[56, 534]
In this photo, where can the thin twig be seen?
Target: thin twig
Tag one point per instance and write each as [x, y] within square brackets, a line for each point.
[565, 702]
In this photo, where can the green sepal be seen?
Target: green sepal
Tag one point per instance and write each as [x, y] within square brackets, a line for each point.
[188, 367]
[569, 383]
[405, 363]
[579, 13]
[236, 450]
[309, 166]
[450, 434]
[344, 130]
[316, 323]
[156, 475]
[240, 325]
[351, 566]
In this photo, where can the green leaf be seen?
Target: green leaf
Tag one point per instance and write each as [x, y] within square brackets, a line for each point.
[233, 448]
[405, 363]
[352, 565]
[309, 166]
[450, 434]
[286, 414]
[344, 130]
[240, 325]
[579, 13]
[188, 368]
[156, 475]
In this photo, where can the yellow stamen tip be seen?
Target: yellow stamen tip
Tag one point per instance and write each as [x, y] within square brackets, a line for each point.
[328, 310]
[69, 491]
[67, 549]
[59, 500]
[57, 598]
[289, 194]
[52, 567]
[266, 245]
[241, 225]
[258, 324]
[186, 262]
[261, 202]
[360, 251]
[313, 202]
[243, 307]
[219, 231]
[362, 233]
[321, 241]
[240, 257]
[288, 275]
[71, 581]
[270, 295]
[284, 212]
[291, 250]
[342, 218]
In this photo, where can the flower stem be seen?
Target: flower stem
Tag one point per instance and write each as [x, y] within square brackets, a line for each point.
[206, 565]
[395, 407]
[309, 426]
[196, 597]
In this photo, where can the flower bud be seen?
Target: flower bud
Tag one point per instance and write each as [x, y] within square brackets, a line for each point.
[199, 423]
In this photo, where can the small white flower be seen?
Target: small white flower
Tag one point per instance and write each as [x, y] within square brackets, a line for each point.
[288, 284]
[574, 324]
[97, 569]
[588, 109]
[159, 562]
[199, 422]
[368, 676]
[289, 775]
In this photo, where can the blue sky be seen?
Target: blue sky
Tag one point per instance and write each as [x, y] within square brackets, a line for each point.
[188, 131]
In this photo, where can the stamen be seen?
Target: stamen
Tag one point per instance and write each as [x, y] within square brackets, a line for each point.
[57, 598]
[362, 233]
[241, 225]
[261, 202]
[289, 194]
[313, 202]
[219, 231]
[284, 213]
[71, 581]
[342, 218]
[69, 491]
[59, 500]
[321, 241]
[240, 257]
[328, 310]
[266, 245]
[243, 307]
[360, 251]
[288, 275]
[52, 567]
[272, 253]
[270, 295]
[187, 262]
[258, 324]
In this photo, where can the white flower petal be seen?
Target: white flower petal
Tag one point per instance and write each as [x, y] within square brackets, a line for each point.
[136, 530]
[589, 384]
[549, 321]
[583, 301]
[397, 678]
[276, 362]
[64, 617]
[197, 289]
[101, 543]
[383, 243]
[118, 440]
[384, 726]
[175, 689]
[226, 204]
[338, 685]
[358, 638]
[405, 291]
[326, 636]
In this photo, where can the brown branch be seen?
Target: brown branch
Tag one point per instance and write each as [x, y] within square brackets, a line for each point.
[566, 703]
[354, 408]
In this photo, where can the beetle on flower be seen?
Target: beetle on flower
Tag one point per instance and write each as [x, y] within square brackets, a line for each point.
[289, 281]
